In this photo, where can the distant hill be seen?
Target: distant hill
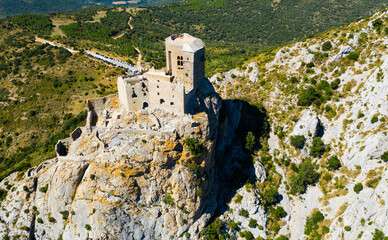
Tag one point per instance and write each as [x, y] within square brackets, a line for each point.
[11, 8]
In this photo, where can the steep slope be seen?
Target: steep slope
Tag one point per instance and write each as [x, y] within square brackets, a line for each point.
[328, 106]
[122, 176]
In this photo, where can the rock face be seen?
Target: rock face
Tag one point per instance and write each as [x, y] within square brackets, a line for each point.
[308, 125]
[344, 50]
[123, 176]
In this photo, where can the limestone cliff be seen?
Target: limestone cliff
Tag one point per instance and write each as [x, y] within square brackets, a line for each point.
[122, 176]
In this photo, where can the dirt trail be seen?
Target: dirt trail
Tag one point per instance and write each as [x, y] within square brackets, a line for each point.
[41, 40]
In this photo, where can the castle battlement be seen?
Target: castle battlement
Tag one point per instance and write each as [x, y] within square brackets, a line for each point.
[169, 90]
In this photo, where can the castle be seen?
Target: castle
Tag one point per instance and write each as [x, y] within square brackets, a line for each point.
[171, 89]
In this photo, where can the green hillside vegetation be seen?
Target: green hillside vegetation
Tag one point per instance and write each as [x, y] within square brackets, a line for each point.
[253, 27]
[42, 94]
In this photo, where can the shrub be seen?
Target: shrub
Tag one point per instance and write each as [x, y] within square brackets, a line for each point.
[270, 196]
[92, 176]
[250, 141]
[25, 188]
[378, 235]
[317, 148]
[282, 237]
[326, 46]
[243, 213]
[333, 163]
[65, 214]
[88, 227]
[309, 96]
[347, 228]
[353, 56]
[3, 194]
[294, 80]
[238, 198]
[335, 84]
[52, 220]
[312, 222]
[195, 146]
[199, 192]
[247, 235]
[213, 230]
[327, 177]
[168, 199]
[298, 141]
[360, 115]
[44, 189]
[358, 187]
[39, 220]
[252, 223]
[384, 156]
[278, 213]
[306, 176]
[374, 119]
[310, 65]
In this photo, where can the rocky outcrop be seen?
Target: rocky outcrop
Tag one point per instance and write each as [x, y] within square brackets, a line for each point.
[344, 50]
[125, 177]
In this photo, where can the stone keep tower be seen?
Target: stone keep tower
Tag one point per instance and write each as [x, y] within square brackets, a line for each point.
[185, 59]
[171, 89]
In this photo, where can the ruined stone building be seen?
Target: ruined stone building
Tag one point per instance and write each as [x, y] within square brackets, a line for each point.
[171, 89]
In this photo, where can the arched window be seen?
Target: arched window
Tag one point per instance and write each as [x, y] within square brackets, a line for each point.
[145, 105]
[180, 60]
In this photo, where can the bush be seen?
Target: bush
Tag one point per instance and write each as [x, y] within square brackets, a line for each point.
[92, 176]
[168, 199]
[298, 141]
[333, 163]
[310, 65]
[195, 146]
[52, 220]
[353, 56]
[252, 223]
[243, 213]
[374, 119]
[88, 227]
[317, 148]
[39, 220]
[312, 222]
[238, 198]
[278, 213]
[326, 46]
[360, 115]
[3, 194]
[384, 156]
[378, 235]
[306, 176]
[270, 196]
[65, 214]
[247, 235]
[358, 187]
[44, 189]
[309, 96]
[294, 80]
[250, 141]
[335, 84]
[213, 230]
[347, 228]
[282, 237]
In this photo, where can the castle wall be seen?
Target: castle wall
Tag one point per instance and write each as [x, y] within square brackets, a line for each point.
[133, 94]
[165, 93]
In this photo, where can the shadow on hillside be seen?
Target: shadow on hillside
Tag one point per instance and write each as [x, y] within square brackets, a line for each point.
[234, 162]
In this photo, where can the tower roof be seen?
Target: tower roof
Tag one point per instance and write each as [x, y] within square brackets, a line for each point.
[188, 42]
